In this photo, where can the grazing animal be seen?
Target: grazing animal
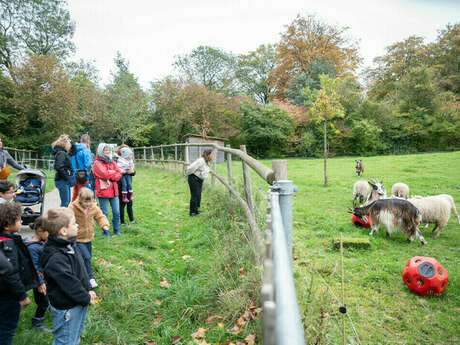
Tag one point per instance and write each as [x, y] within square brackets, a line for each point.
[360, 191]
[359, 168]
[452, 204]
[393, 214]
[377, 192]
[434, 209]
[400, 190]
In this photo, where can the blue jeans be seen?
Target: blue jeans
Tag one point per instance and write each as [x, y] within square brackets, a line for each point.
[64, 191]
[114, 204]
[86, 250]
[126, 183]
[68, 324]
[9, 317]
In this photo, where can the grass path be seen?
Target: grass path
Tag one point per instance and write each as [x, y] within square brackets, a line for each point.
[169, 274]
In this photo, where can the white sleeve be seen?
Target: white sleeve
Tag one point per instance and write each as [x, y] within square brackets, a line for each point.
[193, 167]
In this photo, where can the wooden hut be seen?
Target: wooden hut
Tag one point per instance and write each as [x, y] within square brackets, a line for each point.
[193, 152]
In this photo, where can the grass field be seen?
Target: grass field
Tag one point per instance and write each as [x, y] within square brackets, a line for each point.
[208, 264]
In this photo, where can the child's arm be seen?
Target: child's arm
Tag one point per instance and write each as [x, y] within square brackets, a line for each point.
[35, 255]
[13, 279]
[101, 219]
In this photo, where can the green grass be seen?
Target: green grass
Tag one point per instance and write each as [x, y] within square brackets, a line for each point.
[383, 309]
[199, 257]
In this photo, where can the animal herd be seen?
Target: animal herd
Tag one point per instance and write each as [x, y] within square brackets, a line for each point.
[399, 211]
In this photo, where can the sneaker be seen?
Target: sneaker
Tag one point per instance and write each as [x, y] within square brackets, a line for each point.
[38, 324]
[93, 283]
[106, 233]
[116, 232]
[133, 222]
[122, 224]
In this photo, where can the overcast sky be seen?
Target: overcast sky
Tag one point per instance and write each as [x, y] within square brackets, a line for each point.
[149, 33]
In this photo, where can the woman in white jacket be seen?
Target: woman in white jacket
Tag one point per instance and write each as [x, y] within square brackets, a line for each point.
[196, 174]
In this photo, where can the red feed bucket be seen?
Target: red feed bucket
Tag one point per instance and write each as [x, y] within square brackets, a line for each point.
[361, 223]
[425, 276]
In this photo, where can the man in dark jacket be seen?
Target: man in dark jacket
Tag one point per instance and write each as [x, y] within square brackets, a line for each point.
[66, 278]
[19, 278]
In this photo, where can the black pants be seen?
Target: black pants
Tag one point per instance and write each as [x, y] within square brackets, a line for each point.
[129, 208]
[42, 303]
[196, 185]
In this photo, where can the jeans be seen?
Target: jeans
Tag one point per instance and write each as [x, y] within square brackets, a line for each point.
[9, 317]
[64, 191]
[68, 324]
[126, 183]
[196, 185]
[86, 251]
[42, 303]
[114, 204]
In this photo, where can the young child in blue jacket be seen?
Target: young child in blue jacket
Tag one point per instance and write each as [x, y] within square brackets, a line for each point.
[67, 281]
[20, 278]
[35, 247]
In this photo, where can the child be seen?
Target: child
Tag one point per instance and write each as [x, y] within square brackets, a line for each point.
[126, 163]
[66, 279]
[6, 191]
[35, 247]
[86, 211]
[20, 278]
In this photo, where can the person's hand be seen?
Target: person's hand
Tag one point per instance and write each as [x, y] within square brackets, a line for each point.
[105, 228]
[130, 171]
[93, 297]
[24, 303]
[42, 289]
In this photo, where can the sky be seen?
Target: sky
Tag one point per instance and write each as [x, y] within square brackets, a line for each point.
[150, 33]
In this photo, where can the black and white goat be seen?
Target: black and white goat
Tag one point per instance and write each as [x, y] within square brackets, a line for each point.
[359, 168]
[377, 192]
[393, 214]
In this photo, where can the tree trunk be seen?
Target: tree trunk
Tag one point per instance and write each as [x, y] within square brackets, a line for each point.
[325, 154]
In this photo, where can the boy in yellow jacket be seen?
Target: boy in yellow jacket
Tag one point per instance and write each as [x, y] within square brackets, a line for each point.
[86, 211]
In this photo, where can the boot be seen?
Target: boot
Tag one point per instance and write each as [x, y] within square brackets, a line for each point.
[37, 323]
[116, 232]
[131, 196]
[125, 197]
[106, 233]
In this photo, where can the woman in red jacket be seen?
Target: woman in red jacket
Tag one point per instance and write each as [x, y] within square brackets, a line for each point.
[107, 174]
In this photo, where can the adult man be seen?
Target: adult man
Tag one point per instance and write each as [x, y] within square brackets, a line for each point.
[5, 158]
[85, 162]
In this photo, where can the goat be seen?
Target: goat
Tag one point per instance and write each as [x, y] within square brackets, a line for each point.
[377, 192]
[434, 209]
[360, 191]
[400, 190]
[359, 169]
[393, 214]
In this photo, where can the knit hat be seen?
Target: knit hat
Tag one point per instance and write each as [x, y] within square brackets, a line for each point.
[126, 152]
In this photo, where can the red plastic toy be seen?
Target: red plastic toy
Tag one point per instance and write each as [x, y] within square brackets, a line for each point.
[361, 223]
[425, 276]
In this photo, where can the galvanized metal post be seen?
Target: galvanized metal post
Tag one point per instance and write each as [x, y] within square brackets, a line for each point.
[286, 190]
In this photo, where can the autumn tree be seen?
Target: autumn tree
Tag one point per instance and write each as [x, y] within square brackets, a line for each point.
[40, 27]
[45, 100]
[325, 106]
[306, 40]
[208, 66]
[253, 70]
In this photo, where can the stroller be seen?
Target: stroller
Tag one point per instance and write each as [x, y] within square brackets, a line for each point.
[30, 191]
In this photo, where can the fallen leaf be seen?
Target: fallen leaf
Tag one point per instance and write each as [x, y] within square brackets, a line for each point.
[164, 283]
[324, 315]
[325, 243]
[235, 330]
[221, 324]
[296, 257]
[247, 315]
[210, 317]
[149, 342]
[240, 322]
[250, 339]
[201, 333]
[175, 339]
[185, 257]
[157, 302]
[158, 319]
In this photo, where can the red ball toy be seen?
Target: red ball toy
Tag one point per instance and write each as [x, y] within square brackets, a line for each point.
[361, 223]
[425, 276]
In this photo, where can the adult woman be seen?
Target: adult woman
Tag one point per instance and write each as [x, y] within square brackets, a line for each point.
[5, 158]
[107, 174]
[64, 178]
[129, 204]
[196, 174]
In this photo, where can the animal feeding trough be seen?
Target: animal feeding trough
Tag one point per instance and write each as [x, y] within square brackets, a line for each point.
[425, 276]
[359, 222]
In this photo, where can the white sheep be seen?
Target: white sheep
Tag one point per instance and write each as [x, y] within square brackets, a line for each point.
[400, 190]
[450, 199]
[361, 191]
[434, 210]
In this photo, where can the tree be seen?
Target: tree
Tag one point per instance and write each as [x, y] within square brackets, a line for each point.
[45, 100]
[126, 102]
[40, 27]
[208, 66]
[325, 107]
[253, 71]
[306, 40]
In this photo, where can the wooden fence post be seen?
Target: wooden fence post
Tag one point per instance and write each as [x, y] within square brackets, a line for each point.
[213, 177]
[145, 156]
[229, 169]
[175, 158]
[280, 169]
[247, 182]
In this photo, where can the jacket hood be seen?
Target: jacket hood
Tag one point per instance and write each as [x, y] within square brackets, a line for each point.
[57, 149]
[80, 147]
[100, 155]
[54, 245]
[77, 204]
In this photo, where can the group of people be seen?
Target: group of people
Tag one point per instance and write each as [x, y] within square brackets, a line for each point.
[107, 174]
[56, 263]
